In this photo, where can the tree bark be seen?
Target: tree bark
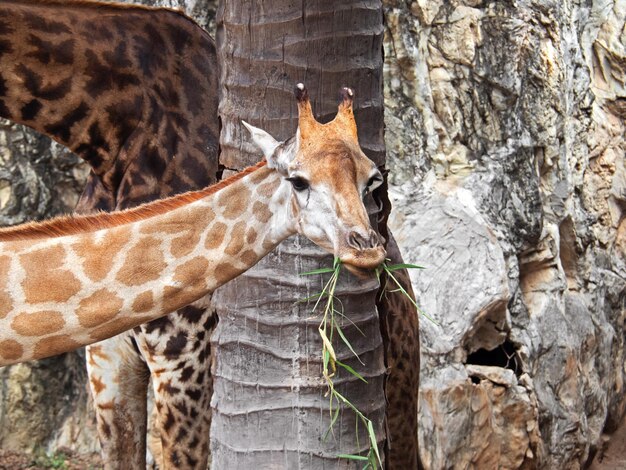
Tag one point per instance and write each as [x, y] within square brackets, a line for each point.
[269, 403]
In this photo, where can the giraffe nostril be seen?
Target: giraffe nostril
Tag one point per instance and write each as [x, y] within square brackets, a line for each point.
[355, 240]
[375, 240]
[359, 242]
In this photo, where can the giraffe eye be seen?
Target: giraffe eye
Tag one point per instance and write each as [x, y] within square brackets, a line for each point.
[298, 183]
[373, 183]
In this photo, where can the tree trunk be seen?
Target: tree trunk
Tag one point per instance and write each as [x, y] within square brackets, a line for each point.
[270, 408]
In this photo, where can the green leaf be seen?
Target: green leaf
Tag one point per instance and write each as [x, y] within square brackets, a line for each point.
[333, 420]
[352, 457]
[345, 340]
[406, 294]
[334, 417]
[325, 359]
[352, 371]
[396, 267]
[318, 271]
[373, 442]
[351, 322]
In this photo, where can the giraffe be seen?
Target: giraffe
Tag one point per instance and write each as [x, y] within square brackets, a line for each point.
[131, 90]
[70, 282]
[129, 129]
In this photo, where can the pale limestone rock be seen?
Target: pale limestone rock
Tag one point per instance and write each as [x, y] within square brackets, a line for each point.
[463, 257]
[426, 10]
[510, 117]
[476, 423]
[496, 375]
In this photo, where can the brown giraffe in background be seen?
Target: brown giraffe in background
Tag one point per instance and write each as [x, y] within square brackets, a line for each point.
[95, 121]
[132, 91]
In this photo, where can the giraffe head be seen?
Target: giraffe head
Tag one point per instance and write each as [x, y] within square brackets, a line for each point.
[329, 175]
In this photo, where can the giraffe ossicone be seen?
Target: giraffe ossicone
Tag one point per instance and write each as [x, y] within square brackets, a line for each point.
[74, 281]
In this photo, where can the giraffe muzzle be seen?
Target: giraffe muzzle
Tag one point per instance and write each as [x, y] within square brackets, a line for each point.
[363, 252]
[359, 242]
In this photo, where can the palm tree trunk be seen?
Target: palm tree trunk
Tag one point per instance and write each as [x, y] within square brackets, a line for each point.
[269, 406]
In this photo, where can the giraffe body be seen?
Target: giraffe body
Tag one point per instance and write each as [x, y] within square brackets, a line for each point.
[110, 83]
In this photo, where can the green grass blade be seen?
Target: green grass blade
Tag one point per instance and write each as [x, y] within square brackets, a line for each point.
[373, 441]
[324, 292]
[325, 361]
[351, 322]
[352, 371]
[352, 457]
[333, 420]
[396, 267]
[347, 343]
[406, 294]
[318, 271]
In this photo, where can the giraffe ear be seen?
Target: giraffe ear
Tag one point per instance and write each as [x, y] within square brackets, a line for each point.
[277, 154]
[263, 140]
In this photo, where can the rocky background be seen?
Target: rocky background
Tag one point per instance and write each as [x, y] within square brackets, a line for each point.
[506, 145]
[506, 142]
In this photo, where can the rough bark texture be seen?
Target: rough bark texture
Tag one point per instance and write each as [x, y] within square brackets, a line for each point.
[268, 350]
[505, 132]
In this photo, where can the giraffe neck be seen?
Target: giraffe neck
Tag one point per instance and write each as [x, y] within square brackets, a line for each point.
[59, 293]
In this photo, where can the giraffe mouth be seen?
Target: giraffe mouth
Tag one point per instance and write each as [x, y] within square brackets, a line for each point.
[363, 262]
[361, 273]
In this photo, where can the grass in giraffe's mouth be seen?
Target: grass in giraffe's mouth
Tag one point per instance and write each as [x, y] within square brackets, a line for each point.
[332, 309]
[388, 269]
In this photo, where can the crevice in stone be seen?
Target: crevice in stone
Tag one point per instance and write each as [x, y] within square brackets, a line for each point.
[567, 252]
[490, 328]
[223, 172]
[504, 355]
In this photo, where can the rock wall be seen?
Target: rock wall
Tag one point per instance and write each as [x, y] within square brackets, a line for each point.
[505, 127]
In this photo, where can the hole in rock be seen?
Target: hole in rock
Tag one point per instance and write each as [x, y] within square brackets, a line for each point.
[504, 355]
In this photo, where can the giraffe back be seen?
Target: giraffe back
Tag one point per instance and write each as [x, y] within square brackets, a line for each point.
[131, 90]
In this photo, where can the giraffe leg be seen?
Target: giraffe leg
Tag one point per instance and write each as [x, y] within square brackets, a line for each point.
[177, 350]
[119, 378]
